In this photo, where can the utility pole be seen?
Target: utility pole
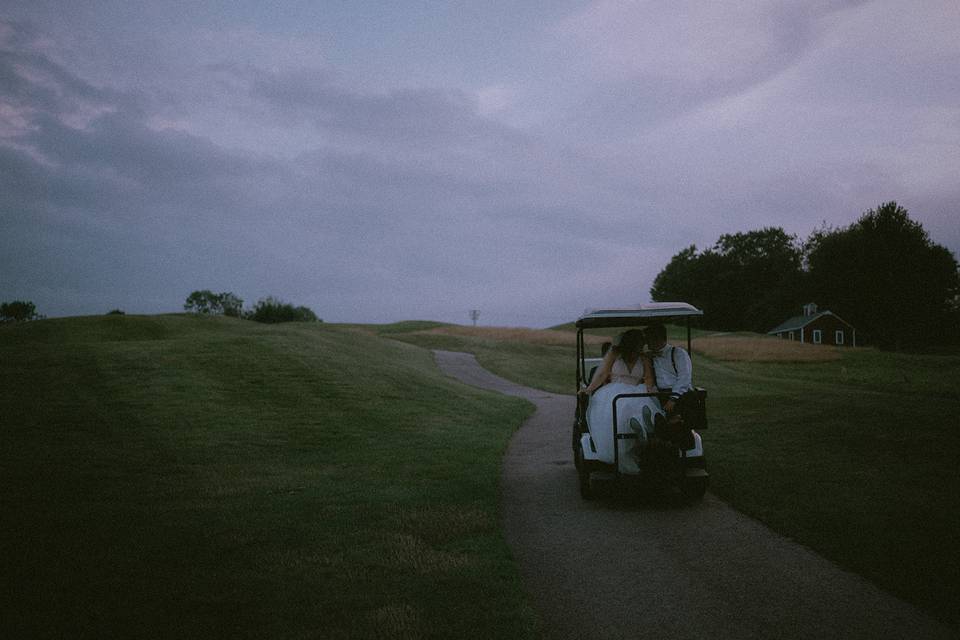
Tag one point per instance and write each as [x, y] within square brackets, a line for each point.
[474, 314]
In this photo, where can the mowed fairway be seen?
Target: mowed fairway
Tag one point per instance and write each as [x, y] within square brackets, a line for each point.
[852, 453]
[177, 476]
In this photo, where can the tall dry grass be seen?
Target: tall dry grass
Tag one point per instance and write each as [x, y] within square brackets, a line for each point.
[516, 334]
[763, 349]
[723, 347]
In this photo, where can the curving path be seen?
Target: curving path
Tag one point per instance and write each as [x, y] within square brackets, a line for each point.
[608, 570]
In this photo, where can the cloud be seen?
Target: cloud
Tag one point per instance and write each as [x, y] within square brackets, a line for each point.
[410, 197]
[781, 113]
[642, 62]
[240, 159]
[34, 87]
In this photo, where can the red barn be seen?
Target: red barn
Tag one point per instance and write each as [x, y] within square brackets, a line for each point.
[817, 327]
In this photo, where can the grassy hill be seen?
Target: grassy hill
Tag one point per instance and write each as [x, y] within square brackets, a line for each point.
[185, 476]
[850, 451]
[180, 476]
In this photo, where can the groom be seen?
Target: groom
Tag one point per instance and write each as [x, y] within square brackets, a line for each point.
[674, 373]
[671, 364]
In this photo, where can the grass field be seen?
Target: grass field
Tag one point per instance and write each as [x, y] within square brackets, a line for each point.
[852, 452]
[177, 476]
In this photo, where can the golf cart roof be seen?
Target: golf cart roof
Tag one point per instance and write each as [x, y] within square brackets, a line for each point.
[636, 315]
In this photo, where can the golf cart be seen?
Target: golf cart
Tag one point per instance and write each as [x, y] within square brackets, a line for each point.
[638, 456]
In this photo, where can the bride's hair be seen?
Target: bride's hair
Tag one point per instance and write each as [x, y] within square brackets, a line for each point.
[629, 342]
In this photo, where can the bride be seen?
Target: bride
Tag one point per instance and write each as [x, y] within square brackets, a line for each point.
[624, 370]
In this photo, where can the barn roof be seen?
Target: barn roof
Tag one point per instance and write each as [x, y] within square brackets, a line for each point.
[798, 322]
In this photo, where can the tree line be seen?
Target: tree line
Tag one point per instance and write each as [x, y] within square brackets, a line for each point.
[883, 274]
[269, 309]
[203, 302]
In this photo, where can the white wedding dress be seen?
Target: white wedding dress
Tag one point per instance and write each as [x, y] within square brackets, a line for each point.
[623, 379]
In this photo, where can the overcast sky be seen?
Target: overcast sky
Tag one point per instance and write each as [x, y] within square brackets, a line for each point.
[381, 161]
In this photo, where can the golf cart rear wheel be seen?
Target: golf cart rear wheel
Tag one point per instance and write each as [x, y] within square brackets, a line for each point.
[693, 488]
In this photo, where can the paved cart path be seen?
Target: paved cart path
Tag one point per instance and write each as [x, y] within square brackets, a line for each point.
[613, 570]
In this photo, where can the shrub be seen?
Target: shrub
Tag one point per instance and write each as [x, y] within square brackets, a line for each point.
[272, 310]
[230, 304]
[116, 312]
[18, 311]
[207, 302]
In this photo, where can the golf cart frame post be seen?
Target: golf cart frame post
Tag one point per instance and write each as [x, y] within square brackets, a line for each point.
[639, 316]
